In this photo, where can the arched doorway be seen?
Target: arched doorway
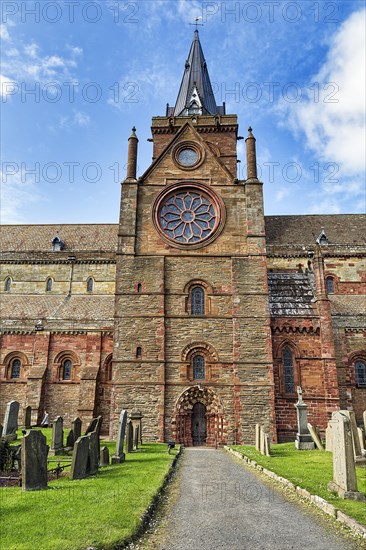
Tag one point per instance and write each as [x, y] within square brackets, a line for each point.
[199, 433]
[199, 418]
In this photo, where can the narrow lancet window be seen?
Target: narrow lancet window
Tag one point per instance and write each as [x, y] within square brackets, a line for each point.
[49, 284]
[7, 285]
[90, 284]
[330, 285]
[15, 368]
[360, 367]
[198, 367]
[66, 369]
[197, 301]
[288, 371]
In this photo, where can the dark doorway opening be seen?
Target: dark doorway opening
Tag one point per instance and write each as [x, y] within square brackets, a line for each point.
[199, 433]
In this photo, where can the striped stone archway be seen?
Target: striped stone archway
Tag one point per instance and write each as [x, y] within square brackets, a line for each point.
[215, 420]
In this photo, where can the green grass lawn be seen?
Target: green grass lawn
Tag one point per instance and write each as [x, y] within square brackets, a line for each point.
[99, 511]
[310, 470]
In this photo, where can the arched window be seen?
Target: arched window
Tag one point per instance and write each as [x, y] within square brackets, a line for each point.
[360, 368]
[330, 285]
[198, 367]
[138, 352]
[197, 301]
[89, 284]
[288, 371]
[7, 285]
[49, 284]
[139, 288]
[15, 368]
[66, 369]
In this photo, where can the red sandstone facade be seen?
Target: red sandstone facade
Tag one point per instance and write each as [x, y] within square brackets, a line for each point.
[196, 309]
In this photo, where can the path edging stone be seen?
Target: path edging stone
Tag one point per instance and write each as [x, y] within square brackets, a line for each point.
[319, 502]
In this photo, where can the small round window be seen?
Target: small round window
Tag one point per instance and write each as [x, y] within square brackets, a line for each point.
[187, 156]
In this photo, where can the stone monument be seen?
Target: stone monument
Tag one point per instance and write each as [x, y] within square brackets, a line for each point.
[34, 461]
[303, 441]
[11, 420]
[119, 455]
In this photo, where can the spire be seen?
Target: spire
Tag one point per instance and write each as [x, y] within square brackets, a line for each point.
[195, 94]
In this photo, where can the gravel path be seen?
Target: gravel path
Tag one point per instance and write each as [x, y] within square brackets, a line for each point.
[221, 504]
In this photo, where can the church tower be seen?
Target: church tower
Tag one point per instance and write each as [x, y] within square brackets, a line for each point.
[192, 348]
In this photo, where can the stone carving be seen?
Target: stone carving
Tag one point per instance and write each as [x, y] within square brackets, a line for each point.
[34, 461]
[119, 455]
[344, 471]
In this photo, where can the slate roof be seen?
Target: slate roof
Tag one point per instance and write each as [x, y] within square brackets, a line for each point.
[347, 304]
[341, 229]
[290, 294]
[77, 237]
[284, 231]
[196, 75]
[96, 310]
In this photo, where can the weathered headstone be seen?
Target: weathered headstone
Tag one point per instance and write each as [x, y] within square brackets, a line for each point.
[364, 420]
[267, 445]
[329, 436]
[76, 428]
[80, 458]
[119, 455]
[27, 417]
[261, 440]
[57, 445]
[257, 437]
[303, 441]
[136, 417]
[98, 425]
[70, 440]
[34, 461]
[104, 456]
[11, 420]
[356, 443]
[344, 470]
[361, 438]
[45, 420]
[315, 436]
[129, 437]
[1, 430]
[93, 453]
[92, 425]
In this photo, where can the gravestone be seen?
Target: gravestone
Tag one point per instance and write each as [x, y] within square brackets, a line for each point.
[80, 458]
[136, 418]
[261, 440]
[303, 441]
[129, 437]
[98, 425]
[119, 455]
[93, 463]
[104, 457]
[70, 440]
[76, 428]
[45, 420]
[11, 420]
[364, 421]
[356, 443]
[92, 425]
[267, 445]
[344, 470]
[329, 436]
[1, 430]
[361, 438]
[34, 461]
[257, 437]
[57, 445]
[27, 417]
[315, 435]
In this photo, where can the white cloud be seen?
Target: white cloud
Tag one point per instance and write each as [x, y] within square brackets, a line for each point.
[81, 119]
[4, 33]
[77, 119]
[334, 125]
[16, 191]
[7, 86]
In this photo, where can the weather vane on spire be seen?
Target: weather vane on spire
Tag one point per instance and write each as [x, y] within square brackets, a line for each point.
[196, 22]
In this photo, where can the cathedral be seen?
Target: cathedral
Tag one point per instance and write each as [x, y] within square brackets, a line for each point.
[195, 309]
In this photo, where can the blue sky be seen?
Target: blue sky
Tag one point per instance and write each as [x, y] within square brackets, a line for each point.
[76, 76]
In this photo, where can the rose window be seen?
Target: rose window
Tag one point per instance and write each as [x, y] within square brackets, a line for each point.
[188, 214]
[187, 217]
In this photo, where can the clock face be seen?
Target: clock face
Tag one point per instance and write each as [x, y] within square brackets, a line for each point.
[188, 214]
[187, 157]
